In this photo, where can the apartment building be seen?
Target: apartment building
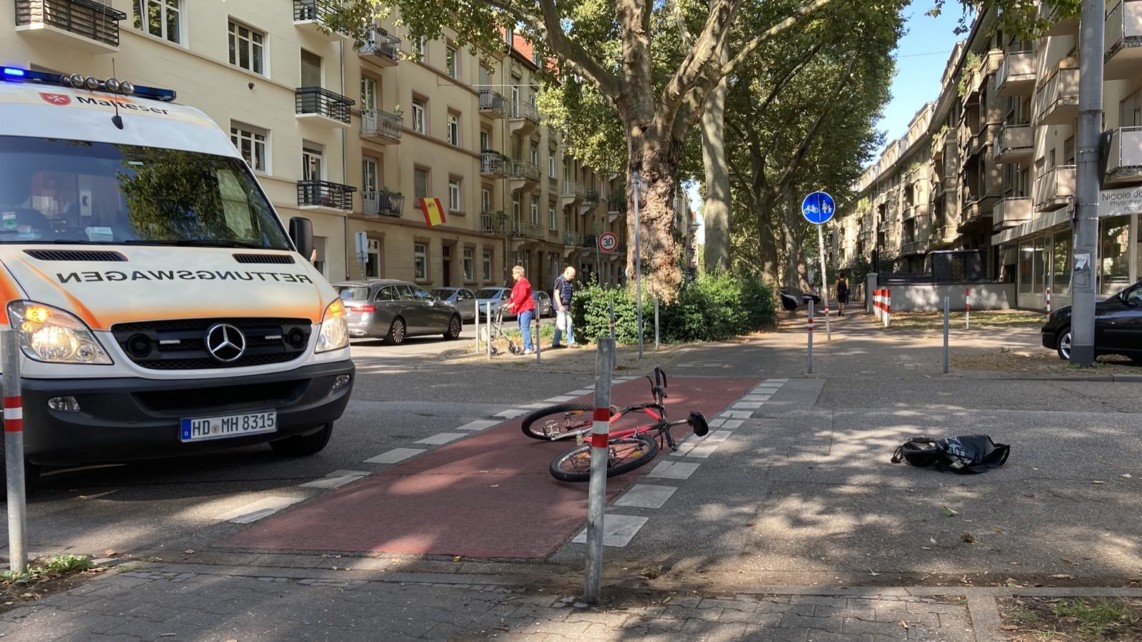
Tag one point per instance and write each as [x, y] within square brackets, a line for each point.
[352, 137]
[1001, 165]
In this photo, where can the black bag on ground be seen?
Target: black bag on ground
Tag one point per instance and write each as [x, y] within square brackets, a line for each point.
[962, 454]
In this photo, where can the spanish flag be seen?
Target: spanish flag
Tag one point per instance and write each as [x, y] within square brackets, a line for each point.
[433, 211]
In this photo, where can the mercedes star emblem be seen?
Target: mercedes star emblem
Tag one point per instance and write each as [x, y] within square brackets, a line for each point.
[225, 342]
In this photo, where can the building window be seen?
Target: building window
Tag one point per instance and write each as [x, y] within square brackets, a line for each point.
[534, 155]
[251, 143]
[369, 175]
[420, 261]
[420, 182]
[163, 19]
[454, 129]
[419, 122]
[454, 195]
[551, 166]
[552, 220]
[247, 48]
[535, 210]
[420, 48]
[485, 200]
[368, 94]
[485, 140]
[486, 266]
[469, 264]
[452, 62]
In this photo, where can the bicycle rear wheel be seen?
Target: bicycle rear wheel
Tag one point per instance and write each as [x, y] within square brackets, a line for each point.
[559, 421]
[623, 455]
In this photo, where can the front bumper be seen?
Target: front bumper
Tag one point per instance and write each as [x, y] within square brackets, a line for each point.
[125, 419]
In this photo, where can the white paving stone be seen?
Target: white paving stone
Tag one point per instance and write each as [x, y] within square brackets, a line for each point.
[559, 399]
[395, 455]
[761, 398]
[747, 405]
[618, 530]
[738, 414]
[706, 447]
[511, 412]
[673, 470]
[645, 496]
[337, 479]
[730, 423]
[441, 438]
[260, 509]
[479, 424]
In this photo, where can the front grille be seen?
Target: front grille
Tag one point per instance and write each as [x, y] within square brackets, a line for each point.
[180, 344]
[256, 395]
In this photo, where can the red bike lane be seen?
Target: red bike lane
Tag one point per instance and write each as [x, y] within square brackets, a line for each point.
[485, 496]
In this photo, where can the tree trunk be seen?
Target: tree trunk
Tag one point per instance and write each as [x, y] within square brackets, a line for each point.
[655, 159]
[716, 206]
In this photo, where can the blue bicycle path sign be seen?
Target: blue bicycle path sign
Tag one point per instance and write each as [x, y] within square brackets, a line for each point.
[818, 208]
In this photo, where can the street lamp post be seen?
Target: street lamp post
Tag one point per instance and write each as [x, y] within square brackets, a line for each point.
[636, 188]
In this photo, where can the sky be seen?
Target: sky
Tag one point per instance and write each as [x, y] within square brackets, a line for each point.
[920, 59]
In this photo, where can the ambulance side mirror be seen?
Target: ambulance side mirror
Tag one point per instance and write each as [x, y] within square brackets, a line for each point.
[301, 233]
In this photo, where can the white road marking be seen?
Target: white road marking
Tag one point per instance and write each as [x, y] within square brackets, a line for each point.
[441, 438]
[260, 509]
[580, 393]
[560, 399]
[673, 470]
[510, 413]
[337, 479]
[645, 496]
[761, 398]
[479, 424]
[738, 414]
[395, 455]
[730, 423]
[706, 447]
[618, 530]
[747, 405]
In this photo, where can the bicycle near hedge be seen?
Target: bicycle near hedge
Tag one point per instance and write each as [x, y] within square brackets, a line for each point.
[627, 448]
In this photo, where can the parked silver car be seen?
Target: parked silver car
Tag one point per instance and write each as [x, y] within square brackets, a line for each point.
[499, 296]
[463, 298]
[394, 310]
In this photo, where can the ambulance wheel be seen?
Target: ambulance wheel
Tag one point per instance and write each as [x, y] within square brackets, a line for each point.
[303, 445]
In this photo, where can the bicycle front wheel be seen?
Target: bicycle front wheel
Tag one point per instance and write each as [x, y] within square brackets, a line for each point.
[623, 455]
[559, 421]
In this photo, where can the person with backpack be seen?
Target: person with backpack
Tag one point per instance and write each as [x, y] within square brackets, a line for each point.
[561, 298]
[842, 293]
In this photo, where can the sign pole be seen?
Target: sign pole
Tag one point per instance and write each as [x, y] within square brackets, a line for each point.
[824, 281]
[818, 208]
[14, 451]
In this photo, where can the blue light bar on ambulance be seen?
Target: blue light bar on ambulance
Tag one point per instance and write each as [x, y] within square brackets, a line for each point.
[17, 74]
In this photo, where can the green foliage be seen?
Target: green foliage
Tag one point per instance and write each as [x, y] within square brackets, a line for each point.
[710, 308]
[58, 566]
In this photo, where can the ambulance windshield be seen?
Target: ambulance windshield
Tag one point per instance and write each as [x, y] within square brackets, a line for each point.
[70, 191]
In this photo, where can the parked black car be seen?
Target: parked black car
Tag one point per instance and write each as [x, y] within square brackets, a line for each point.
[790, 302]
[1117, 326]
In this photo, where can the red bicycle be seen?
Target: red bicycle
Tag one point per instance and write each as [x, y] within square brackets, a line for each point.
[628, 448]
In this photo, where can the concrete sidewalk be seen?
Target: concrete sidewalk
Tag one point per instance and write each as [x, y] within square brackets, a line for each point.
[708, 566]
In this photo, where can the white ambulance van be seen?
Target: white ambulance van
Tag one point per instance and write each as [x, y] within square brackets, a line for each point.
[161, 307]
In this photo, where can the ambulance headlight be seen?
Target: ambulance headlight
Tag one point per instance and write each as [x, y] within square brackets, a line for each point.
[54, 336]
[334, 333]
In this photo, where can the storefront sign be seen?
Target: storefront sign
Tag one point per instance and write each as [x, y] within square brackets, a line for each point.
[1120, 202]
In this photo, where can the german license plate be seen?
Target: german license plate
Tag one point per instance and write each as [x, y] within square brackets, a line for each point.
[204, 428]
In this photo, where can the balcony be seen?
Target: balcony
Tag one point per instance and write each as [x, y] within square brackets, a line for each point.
[78, 25]
[325, 194]
[321, 105]
[1125, 159]
[573, 192]
[1123, 39]
[1016, 75]
[382, 49]
[977, 78]
[911, 248]
[493, 222]
[492, 104]
[1015, 143]
[571, 239]
[984, 138]
[1009, 212]
[1055, 188]
[309, 16]
[524, 118]
[914, 211]
[494, 164]
[534, 231]
[552, 186]
[381, 127]
[1057, 101]
[525, 173]
[383, 203]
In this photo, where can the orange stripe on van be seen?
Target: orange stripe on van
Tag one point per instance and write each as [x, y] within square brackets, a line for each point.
[77, 307]
[9, 292]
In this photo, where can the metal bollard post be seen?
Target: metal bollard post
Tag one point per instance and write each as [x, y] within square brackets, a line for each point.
[810, 333]
[597, 490]
[947, 322]
[967, 309]
[1048, 301]
[656, 322]
[612, 320]
[536, 340]
[488, 318]
[477, 325]
[14, 451]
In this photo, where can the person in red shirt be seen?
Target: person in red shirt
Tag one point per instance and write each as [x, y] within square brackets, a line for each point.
[522, 304]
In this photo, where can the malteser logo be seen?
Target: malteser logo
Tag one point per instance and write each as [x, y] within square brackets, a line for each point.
[56, 99]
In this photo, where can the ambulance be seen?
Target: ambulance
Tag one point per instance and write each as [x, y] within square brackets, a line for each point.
[158, 303]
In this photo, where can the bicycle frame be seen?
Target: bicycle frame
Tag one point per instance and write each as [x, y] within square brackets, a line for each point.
[656, 410]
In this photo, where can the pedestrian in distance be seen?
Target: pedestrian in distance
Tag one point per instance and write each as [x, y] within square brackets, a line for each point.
[561, 298]
[522, 304]
[842, 293]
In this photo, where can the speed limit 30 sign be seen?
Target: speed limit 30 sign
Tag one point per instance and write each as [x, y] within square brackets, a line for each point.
[608, 242]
